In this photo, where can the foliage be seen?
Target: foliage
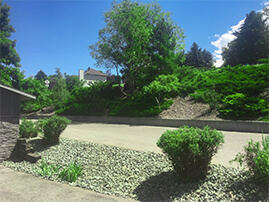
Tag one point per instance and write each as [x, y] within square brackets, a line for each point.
[8, 53]
[53, 128]
[71, 173]
[40, 124]
[236, 91]
[251, 43]
[45, 169]
[27, 129]
[240, 106]
[134, 34]
[190, 150]
[256, 157]
[37, 88]
[163, 85]
[60, 93]
[41, 75]
[198, 58]
[72, 82]
[104, 98]
[11, 76]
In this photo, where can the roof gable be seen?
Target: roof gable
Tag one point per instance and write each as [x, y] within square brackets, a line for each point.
[94, 72]
[23, 95]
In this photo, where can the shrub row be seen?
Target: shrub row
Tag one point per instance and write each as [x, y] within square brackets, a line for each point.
[51, 128]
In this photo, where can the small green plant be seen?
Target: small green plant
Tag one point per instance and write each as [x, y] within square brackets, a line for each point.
[45, 169]
[256, 157]
[53, 128]
[71, 173]
[27, 129]
[40, 124]
[190, 150]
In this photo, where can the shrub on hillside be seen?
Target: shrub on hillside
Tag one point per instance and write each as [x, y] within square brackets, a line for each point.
[27, 129]
[53, 128]
[191, 150]
[256, 157]
[243, 106]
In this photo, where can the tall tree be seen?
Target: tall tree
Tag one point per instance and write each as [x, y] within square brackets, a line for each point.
[130, 39]
[8, 53]
[199, 58]
[41, 75]
[251, 44]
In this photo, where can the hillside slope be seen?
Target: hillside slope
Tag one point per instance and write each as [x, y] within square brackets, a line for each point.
[186, 108]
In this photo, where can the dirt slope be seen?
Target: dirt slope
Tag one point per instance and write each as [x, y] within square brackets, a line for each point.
[186, 108]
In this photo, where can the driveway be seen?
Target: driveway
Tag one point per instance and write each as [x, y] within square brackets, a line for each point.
[144, 138]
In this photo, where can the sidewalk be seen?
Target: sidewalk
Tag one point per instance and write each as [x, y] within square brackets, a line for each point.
[20, 187]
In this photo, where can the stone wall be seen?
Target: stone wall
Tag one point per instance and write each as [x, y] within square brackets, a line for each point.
[9, 134]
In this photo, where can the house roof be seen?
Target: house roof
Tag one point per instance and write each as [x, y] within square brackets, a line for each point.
[23, 95]
[94, 72]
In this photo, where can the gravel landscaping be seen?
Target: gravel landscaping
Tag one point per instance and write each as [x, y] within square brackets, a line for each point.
[143, 176]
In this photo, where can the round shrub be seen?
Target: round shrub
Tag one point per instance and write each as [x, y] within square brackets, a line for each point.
[53, 128]
[27, 129]
[191, 150]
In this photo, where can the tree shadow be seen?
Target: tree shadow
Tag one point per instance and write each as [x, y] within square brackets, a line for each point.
[163, 187]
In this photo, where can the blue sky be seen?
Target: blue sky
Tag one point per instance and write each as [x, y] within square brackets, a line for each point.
[54, 34]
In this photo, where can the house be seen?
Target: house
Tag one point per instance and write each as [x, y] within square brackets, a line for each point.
[92, 76]
[10, 99]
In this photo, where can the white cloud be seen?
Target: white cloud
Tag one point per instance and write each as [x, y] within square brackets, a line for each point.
[223, 41]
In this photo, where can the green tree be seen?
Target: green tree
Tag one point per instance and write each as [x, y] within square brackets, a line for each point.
[41, 75]
[131, 37]
[72, 82]
[8, 53]
[37, 88]
[60, 92]
[11, 76]
[198, 58]
[251, 44]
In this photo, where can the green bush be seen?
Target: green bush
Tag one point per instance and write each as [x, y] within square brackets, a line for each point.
[71, 173]
[256, 157]
[190, 150]
[243, 106]
[27, 129]
[40, 125]
[53, 128]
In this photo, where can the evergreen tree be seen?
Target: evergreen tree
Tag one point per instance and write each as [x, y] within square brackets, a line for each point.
[198, 58]
[41, 75]
[8, 53]
[251, 44]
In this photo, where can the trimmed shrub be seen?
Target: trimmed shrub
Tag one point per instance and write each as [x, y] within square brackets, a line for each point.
[27, 129]
[256, 157]
[191, 150]
[40, 125]
[53, 128]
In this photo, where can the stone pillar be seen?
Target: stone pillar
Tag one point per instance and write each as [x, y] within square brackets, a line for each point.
[9, 134]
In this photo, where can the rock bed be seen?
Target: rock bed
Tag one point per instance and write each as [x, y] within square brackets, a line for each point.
[144, 176]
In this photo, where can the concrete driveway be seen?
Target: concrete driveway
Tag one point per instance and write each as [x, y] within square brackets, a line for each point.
[144, 138]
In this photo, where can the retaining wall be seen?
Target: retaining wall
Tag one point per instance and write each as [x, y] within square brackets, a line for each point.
[9, 134]
[240, 126]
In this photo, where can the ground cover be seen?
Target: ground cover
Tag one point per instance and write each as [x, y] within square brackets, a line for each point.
[144, 176]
